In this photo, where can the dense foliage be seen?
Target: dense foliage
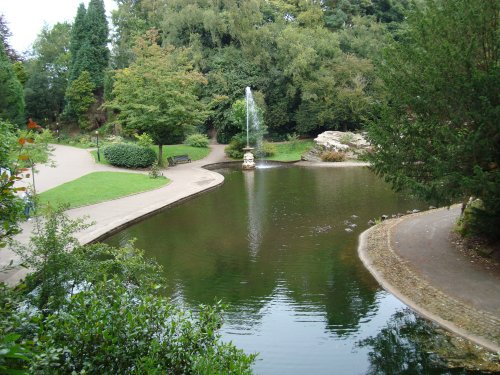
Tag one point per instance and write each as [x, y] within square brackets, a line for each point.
[129, 155]
[439, 135]
[47, 73]
[11, 92]
[98, 309]
[89, 56]
[158, 93]
[309, 63]
[197, 140]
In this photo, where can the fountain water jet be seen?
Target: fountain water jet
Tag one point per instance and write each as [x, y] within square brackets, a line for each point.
[248, 157]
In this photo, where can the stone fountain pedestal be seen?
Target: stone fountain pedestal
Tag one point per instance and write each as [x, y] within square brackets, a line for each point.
[248, 159]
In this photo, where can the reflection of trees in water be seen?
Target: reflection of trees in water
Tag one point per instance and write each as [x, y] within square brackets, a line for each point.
[406, 346]
[272, 236]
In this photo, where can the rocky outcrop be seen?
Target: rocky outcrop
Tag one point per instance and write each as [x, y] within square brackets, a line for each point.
[351, 144]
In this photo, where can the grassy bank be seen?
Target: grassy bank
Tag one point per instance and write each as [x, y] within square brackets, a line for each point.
[99, 187]
[291, 151]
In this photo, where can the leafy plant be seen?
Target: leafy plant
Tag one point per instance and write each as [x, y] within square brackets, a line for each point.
[235, 148]
[197, 140]
[155, 170]
[143, 140]
[129, 155]
[347, 138]
[268, 149]
[104, 312]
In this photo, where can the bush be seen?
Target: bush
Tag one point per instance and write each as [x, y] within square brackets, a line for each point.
[267, 149]
[332, 156]
[104, 313]
[197, 140]
[235, 148]
[129, 155]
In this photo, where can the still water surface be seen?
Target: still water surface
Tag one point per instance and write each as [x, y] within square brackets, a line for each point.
[273, 245]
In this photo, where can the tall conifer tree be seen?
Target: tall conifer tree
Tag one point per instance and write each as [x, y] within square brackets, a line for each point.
[89, 51]
[89, 40]
[78, 35]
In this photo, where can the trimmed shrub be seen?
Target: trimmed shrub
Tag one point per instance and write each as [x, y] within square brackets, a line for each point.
[197, 140]
[129, 155]
[332, 156]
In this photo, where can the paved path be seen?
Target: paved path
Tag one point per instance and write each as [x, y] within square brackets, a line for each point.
[415, 259]
[187, 180]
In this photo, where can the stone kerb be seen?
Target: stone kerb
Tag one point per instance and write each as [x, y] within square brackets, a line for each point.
[397, 277]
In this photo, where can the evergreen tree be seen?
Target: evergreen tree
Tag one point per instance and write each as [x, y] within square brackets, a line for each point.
[439, 137]
[80, 97]
[89, 54]
[78, 35]
[11, 92]
[89, 40]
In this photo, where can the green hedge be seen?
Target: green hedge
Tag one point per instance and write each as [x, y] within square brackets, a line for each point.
[129, 155]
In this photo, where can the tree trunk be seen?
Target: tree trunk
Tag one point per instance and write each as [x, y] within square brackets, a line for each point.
[160, 154]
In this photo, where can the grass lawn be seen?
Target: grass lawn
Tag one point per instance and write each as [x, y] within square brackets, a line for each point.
[99, 187]
[195, 153]
[288, 151]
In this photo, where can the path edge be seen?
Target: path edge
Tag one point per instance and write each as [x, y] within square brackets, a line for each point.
[367, 242]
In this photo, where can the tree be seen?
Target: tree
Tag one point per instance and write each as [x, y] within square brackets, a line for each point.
[89, 52]
[5, 34]
[439, 135]
[48, 73]
[78, 35]
[11, 92]
[89, 39]
[80, 98]
[157, 94]
[10, 205]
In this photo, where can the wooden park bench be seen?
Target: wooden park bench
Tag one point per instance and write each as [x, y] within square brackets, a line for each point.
[181, 159]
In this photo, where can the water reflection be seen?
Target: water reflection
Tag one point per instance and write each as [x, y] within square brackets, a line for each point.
[271, 244]
[256, 204]
[406, 345]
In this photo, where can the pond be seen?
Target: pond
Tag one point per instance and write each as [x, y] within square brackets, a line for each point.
[279, 247]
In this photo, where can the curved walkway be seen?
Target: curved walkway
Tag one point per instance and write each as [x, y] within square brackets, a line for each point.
[187, 180]
[414, 258]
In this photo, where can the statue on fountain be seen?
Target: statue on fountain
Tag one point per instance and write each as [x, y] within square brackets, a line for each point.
[248, 159]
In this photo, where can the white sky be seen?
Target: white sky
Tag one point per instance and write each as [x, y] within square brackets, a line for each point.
[25, 18]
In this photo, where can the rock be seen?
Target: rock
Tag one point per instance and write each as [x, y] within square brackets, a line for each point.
[348, 230]
[351, 144]
[353, 225]
[415, 211]
[371, 222]
[384, 217]
[432, 208]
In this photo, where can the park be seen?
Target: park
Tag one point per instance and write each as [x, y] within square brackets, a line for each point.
[232, 191]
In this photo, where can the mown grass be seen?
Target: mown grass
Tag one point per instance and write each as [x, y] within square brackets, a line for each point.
[99, 187]
[291, 151]
[195, 153]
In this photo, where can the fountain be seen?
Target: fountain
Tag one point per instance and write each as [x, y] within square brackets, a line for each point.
[248, 157]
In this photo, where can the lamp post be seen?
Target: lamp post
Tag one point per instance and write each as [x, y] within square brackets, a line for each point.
[97, 141]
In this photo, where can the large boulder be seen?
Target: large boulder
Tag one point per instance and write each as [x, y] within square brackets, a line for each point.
[351, 144]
